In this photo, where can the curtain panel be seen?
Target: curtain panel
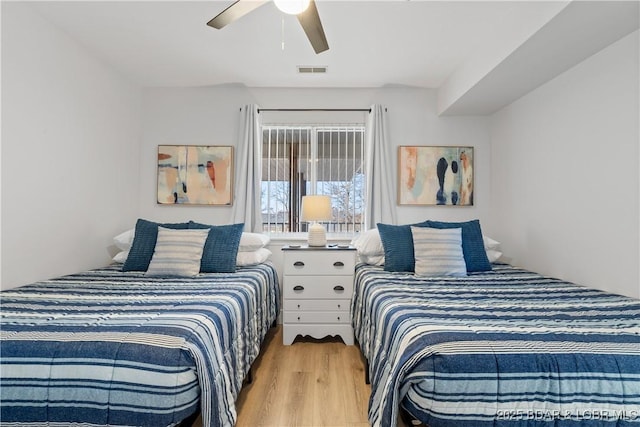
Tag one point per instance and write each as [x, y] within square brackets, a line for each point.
[379, 170]
[247, 206]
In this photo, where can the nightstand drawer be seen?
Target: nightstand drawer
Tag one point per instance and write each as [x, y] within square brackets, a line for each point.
[319, 262]
[317, 305]
[312, 287]
[316, 317]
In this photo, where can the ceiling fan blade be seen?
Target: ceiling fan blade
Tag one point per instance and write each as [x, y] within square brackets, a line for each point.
[310, 21]
[237, 10]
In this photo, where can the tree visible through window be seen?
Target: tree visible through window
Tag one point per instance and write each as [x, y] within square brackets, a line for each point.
[301, 160]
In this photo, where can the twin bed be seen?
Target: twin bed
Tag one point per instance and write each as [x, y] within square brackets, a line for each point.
[112, 347]
[505, 347]
[108, 347]
[453, 338]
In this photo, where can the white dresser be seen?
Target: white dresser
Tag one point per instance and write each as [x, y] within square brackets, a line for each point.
[318, 284]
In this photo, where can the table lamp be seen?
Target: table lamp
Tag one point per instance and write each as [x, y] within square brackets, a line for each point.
[316, 208]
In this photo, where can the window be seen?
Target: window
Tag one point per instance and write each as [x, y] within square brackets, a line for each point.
[301, 160]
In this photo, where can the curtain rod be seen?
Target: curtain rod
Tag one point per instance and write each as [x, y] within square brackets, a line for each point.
[368, 110]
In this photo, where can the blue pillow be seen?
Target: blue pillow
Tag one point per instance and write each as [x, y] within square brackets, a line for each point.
[144, 243]
[221, 247]
[397, 242]
[475, 256]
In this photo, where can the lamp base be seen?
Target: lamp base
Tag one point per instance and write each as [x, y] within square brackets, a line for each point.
[317, 235]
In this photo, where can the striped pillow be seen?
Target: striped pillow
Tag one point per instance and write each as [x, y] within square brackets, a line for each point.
[438, 252]
[177, 253]
[144, 241]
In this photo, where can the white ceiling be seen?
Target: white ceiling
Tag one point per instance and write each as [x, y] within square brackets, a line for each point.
[372, 43]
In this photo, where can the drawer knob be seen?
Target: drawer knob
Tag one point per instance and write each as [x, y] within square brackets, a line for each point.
[298, 318]
[298, 288]
[338, 264]
[298, 264]
[338, 318]
[338, 288]
[339, 305]
[298, 305]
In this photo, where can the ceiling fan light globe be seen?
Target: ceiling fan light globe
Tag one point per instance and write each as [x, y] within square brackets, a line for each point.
[292, 7]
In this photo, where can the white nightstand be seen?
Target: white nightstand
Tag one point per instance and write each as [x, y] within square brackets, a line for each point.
[318, 284]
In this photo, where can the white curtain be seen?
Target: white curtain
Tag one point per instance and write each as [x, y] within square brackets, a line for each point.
[381, 200]
[248, 172]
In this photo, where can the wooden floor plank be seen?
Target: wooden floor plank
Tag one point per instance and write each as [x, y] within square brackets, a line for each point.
[312, 383]
[354, 388]
[258, 403]
[297, 402]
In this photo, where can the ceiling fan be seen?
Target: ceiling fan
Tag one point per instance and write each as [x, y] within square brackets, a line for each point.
[305, 10]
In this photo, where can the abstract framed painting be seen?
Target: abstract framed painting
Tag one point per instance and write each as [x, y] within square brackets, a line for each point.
[439, 175]
[195, 175]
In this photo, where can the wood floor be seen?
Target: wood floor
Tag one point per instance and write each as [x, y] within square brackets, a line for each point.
[318, 383]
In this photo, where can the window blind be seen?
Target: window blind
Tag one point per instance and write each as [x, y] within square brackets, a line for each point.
[301, 160]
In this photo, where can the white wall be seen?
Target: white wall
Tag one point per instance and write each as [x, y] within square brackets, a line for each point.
[564, 173]
[70, 152]
[210, 116]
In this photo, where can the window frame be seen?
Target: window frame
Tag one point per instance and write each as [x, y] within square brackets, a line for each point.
[293, 227]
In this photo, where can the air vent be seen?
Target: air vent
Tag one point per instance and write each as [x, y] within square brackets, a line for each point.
[305, 69]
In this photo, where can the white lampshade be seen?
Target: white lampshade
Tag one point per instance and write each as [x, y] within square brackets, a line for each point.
[316, 208]
[292, 7]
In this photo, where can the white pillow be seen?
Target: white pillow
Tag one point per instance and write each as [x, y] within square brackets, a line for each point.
[438, 252]
[252, 258]
[492, 247]
[489, 243]
[124, 240]
[178, 252]
[121, 257]
[372, 259]
[250, 242]
[493, 255]
[368, 243]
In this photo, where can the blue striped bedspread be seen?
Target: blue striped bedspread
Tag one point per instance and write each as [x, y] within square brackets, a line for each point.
[105, 347]
[502, 348]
